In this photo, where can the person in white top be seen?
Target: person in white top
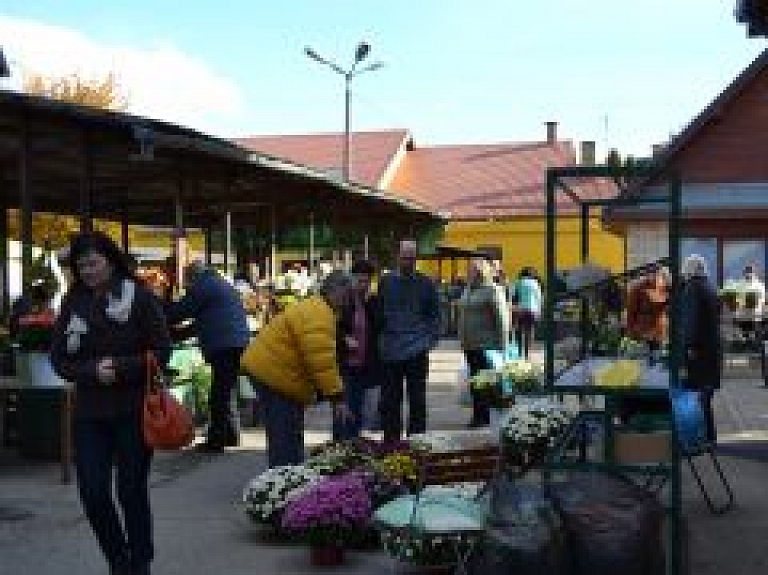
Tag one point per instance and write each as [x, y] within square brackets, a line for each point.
[753, 284]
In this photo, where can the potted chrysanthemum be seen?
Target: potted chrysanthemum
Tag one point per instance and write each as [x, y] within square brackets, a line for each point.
[327, 515]
[266, 496]
[337, 457]
[522, 374]
[530, 431]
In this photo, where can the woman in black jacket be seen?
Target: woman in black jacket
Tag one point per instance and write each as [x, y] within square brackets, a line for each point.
[107, 323]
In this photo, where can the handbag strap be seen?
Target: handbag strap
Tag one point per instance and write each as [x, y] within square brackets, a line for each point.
[152, 366]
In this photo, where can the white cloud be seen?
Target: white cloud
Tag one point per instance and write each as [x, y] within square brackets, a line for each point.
[160, 80]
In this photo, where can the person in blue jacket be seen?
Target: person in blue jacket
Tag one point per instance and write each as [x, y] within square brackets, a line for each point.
[221, 326]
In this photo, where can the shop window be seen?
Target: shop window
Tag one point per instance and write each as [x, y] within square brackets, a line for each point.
[739, 254]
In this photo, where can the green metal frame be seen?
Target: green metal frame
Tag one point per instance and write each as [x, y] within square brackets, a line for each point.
[556, 184]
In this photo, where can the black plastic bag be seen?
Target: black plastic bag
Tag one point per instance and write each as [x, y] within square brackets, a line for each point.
[524, 533]
[611, 526]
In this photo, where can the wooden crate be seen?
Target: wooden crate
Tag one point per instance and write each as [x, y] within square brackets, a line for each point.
[636, 447]
[476, 465]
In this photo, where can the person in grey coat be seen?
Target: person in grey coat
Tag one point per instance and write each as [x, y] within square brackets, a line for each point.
[221, 326]
[408, 327]
[700, 331]
[483, 326]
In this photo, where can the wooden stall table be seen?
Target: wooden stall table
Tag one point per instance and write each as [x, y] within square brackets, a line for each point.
[10, 385]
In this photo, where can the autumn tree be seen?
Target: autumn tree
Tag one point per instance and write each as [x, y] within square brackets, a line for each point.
[103, 92]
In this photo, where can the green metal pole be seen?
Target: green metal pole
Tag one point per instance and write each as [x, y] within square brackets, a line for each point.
[674, 233]
[584, 319]
[674, 555]
[549, 301]
[5, 303]
[25, 205]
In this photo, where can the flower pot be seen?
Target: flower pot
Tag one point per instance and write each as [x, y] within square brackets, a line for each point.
[329, 555]
[525, 457]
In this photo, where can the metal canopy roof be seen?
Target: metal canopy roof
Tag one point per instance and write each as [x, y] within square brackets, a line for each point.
[121, 166]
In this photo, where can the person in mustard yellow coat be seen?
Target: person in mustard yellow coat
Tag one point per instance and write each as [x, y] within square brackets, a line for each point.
[293, 363]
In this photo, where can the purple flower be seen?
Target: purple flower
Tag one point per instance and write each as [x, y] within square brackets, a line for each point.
[332, 506]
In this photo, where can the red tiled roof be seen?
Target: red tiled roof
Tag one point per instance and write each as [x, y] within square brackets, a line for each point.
[370, 153]
[483, 181]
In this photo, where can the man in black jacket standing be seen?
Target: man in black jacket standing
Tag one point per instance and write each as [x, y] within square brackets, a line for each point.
[409, 315]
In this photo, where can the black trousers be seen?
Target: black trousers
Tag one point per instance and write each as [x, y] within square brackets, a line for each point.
[477, 361]
[225, 368]
[102, 445]
[414, 371]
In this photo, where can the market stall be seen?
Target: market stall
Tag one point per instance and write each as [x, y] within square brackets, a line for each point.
[93, 164]
[629, 382]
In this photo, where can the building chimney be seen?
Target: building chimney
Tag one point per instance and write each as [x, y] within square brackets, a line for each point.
[588, 153]
[551, 132]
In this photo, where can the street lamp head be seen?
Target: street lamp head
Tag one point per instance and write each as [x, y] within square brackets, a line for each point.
[311, 53]
[5, 70]
[363, 48]
[371, 68]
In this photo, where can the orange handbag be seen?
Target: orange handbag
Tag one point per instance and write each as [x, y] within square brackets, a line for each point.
[166, 423]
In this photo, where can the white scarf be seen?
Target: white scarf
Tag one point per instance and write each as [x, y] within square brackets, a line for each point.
[118, 309]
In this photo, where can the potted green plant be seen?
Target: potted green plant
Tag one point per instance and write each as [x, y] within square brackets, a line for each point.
[192, 381]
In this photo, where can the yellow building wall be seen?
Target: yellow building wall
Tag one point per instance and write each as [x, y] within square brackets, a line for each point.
[523, 243]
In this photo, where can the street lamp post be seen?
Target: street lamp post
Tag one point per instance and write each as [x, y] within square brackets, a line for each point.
[361, 53]
[5, 69]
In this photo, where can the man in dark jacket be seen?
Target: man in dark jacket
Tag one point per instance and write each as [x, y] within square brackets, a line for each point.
[221, 326]
[700, 331]
[409, 315]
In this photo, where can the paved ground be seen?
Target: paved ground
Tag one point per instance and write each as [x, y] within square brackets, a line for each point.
[200, 528]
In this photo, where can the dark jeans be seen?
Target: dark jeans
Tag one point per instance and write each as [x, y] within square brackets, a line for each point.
[284, 427]
[526, 324]
[414, 371]
[101, 445]
[356, 383]
[225, 368]
[477, 361]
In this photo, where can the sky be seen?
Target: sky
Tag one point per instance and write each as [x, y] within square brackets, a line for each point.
[624, 74]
